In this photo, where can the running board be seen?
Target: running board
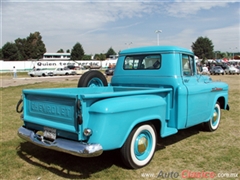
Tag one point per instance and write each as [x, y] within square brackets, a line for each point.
[169, 131]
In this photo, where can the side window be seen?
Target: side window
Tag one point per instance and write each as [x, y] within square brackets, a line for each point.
[187, 65]
[141, 62]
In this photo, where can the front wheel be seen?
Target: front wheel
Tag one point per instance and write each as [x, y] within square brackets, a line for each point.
[139, 148]
[213, 123]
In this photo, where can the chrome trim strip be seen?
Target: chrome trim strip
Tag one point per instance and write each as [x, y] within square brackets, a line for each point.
[216, 89]
[80, 149]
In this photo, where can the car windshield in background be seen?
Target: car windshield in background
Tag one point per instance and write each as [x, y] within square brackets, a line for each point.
[109, 71]
[71, 67]
[140, 62]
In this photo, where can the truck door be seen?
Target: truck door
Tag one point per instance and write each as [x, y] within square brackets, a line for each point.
[197, 92]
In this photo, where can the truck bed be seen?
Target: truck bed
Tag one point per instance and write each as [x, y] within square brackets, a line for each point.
[91, 93]
[61, 108]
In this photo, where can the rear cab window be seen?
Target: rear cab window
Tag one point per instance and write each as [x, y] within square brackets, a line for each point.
[142, 62]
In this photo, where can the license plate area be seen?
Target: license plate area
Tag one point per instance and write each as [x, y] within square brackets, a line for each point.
[49, 133]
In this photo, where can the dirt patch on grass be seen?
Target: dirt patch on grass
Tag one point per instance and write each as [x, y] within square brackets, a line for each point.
[9, 81]
[6, 82]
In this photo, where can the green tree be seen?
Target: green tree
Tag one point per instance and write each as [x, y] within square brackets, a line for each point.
[68, 51]
[31, 47]
[219, 55]
[86, 57]
[77, 52]
[96, 57]
[10, 52]
[1, 55]
[21, 45]
[110, 52]
[60, 51]
[228, 55]
[100, 56]
[203, 48]
[35, 48]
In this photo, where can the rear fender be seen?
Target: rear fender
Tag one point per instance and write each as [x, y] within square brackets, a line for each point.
[112, 119]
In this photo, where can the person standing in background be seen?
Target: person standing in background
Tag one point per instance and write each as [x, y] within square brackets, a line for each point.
[14, 72]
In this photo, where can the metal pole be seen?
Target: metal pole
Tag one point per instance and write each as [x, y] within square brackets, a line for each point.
[128, 44]
[158, 31]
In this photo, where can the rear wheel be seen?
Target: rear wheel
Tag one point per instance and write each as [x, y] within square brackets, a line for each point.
[213, 123]
[139, 148]
[92, 78]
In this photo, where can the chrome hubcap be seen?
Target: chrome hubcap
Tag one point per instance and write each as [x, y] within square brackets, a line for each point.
[142, 144]
[215, 115]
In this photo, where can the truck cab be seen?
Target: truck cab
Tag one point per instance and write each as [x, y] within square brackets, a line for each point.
[193, 94]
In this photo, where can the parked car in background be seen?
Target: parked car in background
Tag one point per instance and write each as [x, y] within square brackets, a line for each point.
[40, 72]
[231, 70]
[224, 65]
[81, 70]
[71, 67]
[216, 70]
[109, 71]
[63, 71]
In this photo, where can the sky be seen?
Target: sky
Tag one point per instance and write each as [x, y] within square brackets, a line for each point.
[120, 24]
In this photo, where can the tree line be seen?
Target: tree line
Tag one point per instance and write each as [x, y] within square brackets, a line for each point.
[33, 47]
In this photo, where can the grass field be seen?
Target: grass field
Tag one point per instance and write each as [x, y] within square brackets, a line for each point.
[189, 151]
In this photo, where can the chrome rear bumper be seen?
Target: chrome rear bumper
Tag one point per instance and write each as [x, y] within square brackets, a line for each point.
[71, 147]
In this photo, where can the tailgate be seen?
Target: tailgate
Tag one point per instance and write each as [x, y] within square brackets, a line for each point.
[50, 110]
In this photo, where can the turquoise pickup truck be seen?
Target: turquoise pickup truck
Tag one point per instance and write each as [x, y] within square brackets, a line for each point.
[154, 92]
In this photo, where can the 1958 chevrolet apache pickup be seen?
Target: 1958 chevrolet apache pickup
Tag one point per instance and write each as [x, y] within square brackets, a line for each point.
[155, 91]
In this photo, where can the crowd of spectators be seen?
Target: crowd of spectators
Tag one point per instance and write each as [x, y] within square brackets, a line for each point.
[204, 68]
